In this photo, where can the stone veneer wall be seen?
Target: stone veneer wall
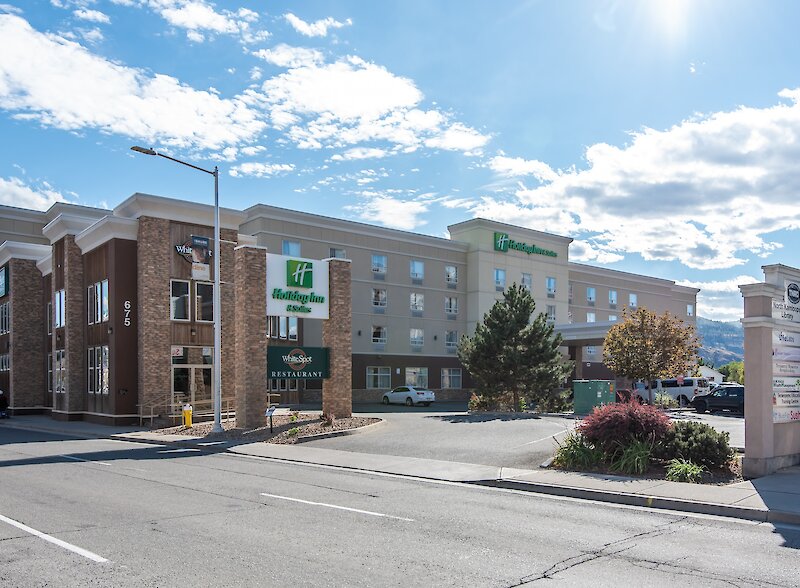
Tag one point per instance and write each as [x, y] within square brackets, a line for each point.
[337, 391]
[75, 326]
[251, 336]
[229, 357]
[28, 385]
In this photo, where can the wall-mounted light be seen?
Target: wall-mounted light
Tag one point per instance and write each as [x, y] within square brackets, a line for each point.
[110, 329]
[435, 337]
[193, 331]
[359, 333]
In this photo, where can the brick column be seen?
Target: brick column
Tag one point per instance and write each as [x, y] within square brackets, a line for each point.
[251, 336]
[28, 386]
[337, 335]
[74, 326]
[228, 355]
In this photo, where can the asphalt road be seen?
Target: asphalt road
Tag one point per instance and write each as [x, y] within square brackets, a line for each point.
[130, 514]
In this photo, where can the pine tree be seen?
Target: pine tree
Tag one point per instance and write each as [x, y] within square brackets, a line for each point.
[510, 353]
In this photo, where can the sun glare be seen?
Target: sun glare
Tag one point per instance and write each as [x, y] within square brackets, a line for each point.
[670, 17]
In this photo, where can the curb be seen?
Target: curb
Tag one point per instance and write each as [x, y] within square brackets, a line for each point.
[342, 433]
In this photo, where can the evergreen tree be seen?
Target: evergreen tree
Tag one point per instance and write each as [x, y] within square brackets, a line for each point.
[514, 351]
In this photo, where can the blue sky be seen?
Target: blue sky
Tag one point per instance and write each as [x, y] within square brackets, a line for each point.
[663, 136]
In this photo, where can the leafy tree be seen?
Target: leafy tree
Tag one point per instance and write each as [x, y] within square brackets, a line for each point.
[514, 350]
[645, 346]
[734, 371]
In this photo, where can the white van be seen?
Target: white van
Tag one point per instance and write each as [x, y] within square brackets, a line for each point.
[682, 392]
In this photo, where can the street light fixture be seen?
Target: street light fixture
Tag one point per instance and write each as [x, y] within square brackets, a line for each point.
[217, 428]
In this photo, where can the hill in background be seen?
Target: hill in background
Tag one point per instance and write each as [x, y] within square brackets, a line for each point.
[720, 342]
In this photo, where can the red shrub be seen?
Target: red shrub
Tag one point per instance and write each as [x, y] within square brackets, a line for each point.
[614, 426]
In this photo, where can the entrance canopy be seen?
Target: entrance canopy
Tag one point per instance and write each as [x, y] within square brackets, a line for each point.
[583, 334]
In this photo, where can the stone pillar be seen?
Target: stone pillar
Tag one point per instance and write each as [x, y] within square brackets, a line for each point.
[74, 327]
[251, 336]
[227, 295]
[28, 385]
[337, 335]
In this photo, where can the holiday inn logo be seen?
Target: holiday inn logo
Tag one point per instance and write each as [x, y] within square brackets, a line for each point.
[502, 242]
[299, 274]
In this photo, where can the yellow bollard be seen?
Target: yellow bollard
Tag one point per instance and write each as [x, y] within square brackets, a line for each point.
[187, 416]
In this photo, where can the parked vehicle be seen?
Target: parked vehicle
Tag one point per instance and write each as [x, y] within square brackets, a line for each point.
[729, 397]
[682, 391]
[409, 395]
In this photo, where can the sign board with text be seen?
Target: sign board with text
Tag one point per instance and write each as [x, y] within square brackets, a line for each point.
[297, 287]
[785, 375]
[302, 363]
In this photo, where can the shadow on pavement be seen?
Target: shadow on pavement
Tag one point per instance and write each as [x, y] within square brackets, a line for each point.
[485, 417]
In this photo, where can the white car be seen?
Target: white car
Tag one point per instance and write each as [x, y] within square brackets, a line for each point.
[409, 395]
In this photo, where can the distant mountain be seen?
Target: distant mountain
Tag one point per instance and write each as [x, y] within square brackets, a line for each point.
[720, 342]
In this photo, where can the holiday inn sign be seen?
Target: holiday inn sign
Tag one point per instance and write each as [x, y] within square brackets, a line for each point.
[297, 287]
[503, 243]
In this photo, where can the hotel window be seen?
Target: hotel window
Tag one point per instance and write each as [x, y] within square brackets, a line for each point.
[612, 298]
[551, 312]
[49, 372]
[590, 350]
[450, 340]
[60, 372]
[633, 300]
[204, 310]
[97, 302]
[283, 328]
[417, 269]
[690, 310]
[451, 377]
[50, 320]
[450, 305]
[5, 318]
[290, 248]
[338, 253]
[612, 318]
[379, 263]
[417, 376]
[417, 301]
[60, 318]
[179, 300]
[590, 317]
[499, 279]
[451, 274]
[527, 281]
[417, 337]
[292, 322]
[569, 293]
[379, 334]
[4, 363]
[379, 378]
[591, 295]
[379, 297]
[550, 283]
[98, 370]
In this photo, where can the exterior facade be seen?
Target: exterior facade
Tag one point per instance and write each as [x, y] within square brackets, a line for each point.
[106, 319]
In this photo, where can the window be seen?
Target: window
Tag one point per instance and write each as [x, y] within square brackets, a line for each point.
[417, 269]
[612, 318]
[527, 281]
[417, 376]
[690, 310]
[338, 253]
[451, 305]
[4, 363]
[179, 300]
[204, 310]
[612, 298]
[590, 317]
[49, 372]
[290, 248]
[569, 293]
[379, 334]
[591, 294]
[633, 300]
[282, 327]
[60, 317]
[450, 340]
[379, 263]
[379, 378]
[451, 377]
[379, 297]
[98, 370]
[292, 321]
[499, 279]
[590, 350]
[50, 322]
[60, 372]
[551, 312]
[550, 283]
[5, 318]
[417, 337]
[451, 274]
[417, 301]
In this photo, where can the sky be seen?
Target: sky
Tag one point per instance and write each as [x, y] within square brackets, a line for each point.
[662, 135]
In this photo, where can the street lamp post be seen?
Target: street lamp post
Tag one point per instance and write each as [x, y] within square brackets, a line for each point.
[217, 428]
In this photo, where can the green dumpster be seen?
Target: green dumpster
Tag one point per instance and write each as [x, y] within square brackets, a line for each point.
[591, 393]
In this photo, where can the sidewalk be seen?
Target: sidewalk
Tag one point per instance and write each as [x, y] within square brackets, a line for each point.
[774, 498]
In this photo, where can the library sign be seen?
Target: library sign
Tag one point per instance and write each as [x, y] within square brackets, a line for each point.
[297, 287]
[304, 363]
[503, 243]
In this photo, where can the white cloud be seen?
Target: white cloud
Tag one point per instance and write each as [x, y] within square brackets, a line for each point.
[726, 286]
[197, 15]
[95, 93]
[94, 35]
[720, 300]
[255, 74]
[260, 170]
[284, 55]
[315, 29]
[92, 16]
[360, 153]
[15, 192]
[10, 9]
[511, 167]
[390, 211]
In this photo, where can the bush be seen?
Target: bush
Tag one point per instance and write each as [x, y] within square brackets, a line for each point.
[477, 402]
[327, 419]
[615, 426]
[293, 431]
[554, 402]
[665, 401]
[683, 470]
[634, 458]
[576, 453]
[696, 442]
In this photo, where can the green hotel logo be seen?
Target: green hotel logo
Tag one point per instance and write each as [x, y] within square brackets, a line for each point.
[299, 274]
[503, 243]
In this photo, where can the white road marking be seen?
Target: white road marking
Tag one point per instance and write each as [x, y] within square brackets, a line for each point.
[553, 436]
[72, 457]
[74, 548]
[186, 450]
[366, 512]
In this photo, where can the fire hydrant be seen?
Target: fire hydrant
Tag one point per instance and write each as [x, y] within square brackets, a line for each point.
[187, 416]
